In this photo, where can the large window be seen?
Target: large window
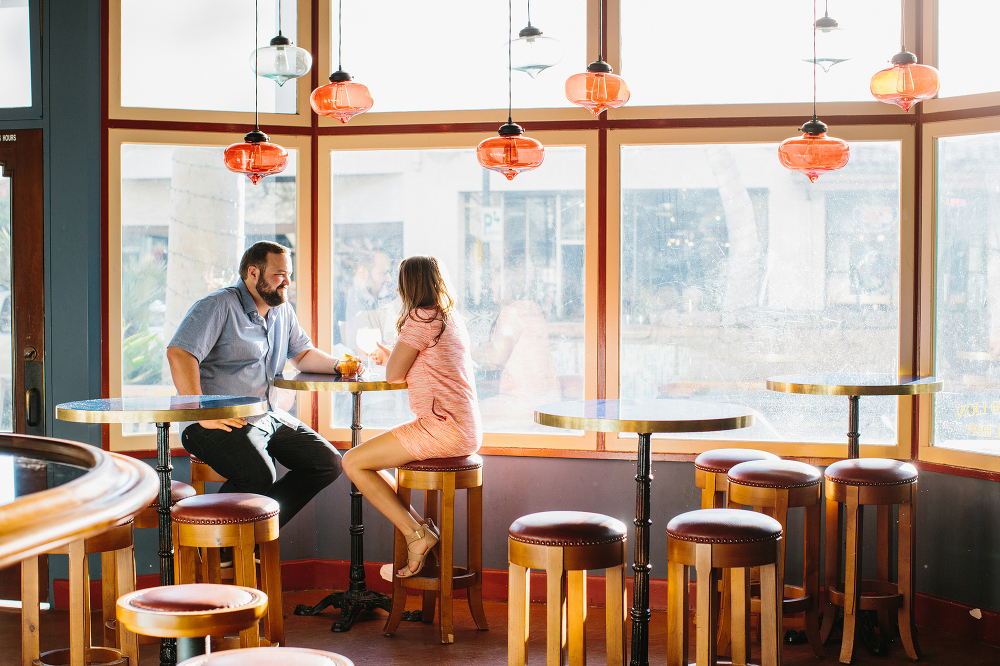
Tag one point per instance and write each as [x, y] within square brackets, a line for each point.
[967, 340]
[185, 222]
[734, 269]
[514, 254]
[965, 35]
[15, 54]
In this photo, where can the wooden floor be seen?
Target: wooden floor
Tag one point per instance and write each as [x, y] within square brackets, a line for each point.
[417, 643]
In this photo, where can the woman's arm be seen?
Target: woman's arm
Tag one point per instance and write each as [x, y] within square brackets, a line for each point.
[397, 361]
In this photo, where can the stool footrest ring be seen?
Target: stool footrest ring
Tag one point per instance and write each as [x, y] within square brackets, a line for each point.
[875, 595]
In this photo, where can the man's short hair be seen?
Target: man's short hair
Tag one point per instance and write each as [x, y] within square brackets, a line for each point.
[256, 255]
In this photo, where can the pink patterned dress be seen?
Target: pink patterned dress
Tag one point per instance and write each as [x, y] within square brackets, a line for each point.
[442, 392]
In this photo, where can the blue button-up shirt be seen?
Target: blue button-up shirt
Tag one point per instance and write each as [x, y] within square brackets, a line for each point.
[238, 351]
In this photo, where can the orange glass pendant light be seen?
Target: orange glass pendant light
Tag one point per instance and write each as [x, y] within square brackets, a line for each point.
[342, 98]
[511, 152]
[597, 89]
[905, 83]
[814, 152]
[256, 156]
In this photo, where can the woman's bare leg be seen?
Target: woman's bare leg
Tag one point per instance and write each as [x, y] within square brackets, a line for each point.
[365, 465]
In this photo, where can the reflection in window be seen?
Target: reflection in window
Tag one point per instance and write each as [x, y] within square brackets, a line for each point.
[185, 223]
[734, 269]
[514, 252]
[962, 41]
[198, 55]
[772, 45]
[967, 317]
[15, 54]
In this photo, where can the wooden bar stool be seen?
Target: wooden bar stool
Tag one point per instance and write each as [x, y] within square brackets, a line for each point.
[854, 484]
[566, 544]
[192, 611]
[773, 487]
[202, 473]
[278, 656]
[711, 470]
[712, 540]
[115, 547]
[238, 521]
[442, 476]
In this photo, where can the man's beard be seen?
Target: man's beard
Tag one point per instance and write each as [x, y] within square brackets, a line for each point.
[273, 298]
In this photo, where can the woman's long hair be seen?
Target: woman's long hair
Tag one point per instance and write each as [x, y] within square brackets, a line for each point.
[421, 285]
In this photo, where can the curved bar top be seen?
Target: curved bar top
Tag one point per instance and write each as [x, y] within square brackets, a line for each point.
[313, 381]
[159, 409]
[644, 415]
[853, 384]
[107, 488]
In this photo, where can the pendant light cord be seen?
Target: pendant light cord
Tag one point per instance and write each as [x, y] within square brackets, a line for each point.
[529, 13]
[814, 59]
[279, 17]
[902, 25]
[340, 32]
[510, 61]
[600, 30]
[256, 62]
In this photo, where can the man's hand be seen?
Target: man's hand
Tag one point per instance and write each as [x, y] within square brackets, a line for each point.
[223, 424]
[381, 355]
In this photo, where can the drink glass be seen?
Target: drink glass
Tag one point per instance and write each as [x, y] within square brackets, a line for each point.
[368, 339]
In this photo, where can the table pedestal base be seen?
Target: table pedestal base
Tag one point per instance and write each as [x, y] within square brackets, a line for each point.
[350, 603]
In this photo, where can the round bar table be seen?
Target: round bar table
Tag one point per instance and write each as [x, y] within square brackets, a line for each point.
[357, 597]
[161, 410]
[853, 386]
[643, 417]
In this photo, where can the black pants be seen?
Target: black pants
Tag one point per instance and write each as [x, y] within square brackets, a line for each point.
[246, 458]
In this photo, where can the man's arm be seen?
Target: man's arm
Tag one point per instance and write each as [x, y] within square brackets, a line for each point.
[187, 381]
[316, 360]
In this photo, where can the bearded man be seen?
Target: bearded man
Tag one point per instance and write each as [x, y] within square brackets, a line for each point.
[235, 341]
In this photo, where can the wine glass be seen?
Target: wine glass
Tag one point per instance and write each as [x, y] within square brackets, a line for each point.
[368, 339]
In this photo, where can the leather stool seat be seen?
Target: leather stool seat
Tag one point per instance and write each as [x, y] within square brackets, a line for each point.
[712, 540]
[439, 478]
[148, 518]
[871, 472]
[566, 544]
[723, 526]
[238, 521]
[279, 656]
[567, 528]
[785, 474]
[224, 509]
[193, 610]
[457, 464]
[721, 460]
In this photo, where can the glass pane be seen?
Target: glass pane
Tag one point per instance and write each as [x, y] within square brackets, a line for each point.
[456, 54]
[6, 314]
[967, 330]
[198, 57]
[186, 221]
[15, 54]
[750, 53]
[962, 42]
[514, 251]
[735, 269]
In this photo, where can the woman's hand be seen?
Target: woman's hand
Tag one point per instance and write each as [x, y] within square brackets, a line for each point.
[381, 355]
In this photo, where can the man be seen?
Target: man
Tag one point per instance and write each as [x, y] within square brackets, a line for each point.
[234, 342]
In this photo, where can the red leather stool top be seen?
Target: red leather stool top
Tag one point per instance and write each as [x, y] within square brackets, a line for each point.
[567, 528]
[459, 464]
[269, 656]
[723, 526]
[775, 474]
[721, 460]
[872, 472]
[178, 491]
[191, 598]
[223, 508]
